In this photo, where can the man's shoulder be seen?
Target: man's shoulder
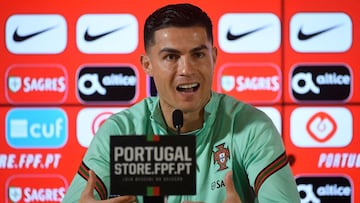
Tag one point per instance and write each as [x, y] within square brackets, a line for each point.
[240, 109]
[139, 110]
[233, 104]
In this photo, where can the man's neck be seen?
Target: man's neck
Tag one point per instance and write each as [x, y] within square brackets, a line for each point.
[192, 120]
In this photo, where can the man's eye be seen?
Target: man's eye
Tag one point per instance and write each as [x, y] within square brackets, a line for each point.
[171, 57]
[199, 54]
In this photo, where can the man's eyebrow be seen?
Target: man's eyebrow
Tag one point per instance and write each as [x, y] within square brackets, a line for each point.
[199, 48]
[169, 50]
[175, 51]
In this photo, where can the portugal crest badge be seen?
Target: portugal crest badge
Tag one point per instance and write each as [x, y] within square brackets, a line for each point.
[221, 156]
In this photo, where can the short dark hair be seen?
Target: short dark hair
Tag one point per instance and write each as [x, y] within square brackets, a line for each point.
[176, 15]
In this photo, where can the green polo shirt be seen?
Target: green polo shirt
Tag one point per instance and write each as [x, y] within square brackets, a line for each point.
[235, 136]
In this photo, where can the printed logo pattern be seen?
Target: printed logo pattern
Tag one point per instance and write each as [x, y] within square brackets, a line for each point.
[36, 188]
[325, 189]
[36, 34]
[321, 32]
[107, 84]
[36, 84]
[89, 120]
[36, 128]
[249, 33]
[255, 83]
[325, 83]
[107, 33]
[321, 127]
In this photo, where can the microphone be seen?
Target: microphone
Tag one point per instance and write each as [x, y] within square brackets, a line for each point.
[178, 120]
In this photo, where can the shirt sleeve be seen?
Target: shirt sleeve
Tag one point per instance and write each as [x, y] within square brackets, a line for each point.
[96, 158]
[266, 163]
[279, 187]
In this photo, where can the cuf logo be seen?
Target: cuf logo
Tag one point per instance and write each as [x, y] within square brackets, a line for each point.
[221, 156]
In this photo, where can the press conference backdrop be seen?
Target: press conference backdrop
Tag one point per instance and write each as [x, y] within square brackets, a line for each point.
[66, 66]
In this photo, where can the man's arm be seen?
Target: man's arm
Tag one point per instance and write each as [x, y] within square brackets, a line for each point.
[279, 187]
[267, 165]
[87, 196]
[96, 159]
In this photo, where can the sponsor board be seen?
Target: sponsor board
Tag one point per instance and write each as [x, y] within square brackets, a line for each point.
[34, 128]
[107, 33]
[254, 83]
[152, 165]
[249, 32]
[35, 188]
[321, 32]
[321, 83]
[314, 127]
[36, 34]
[36, 84]
[329, 188]
[30, 160]
[89, 120]
[107, 84]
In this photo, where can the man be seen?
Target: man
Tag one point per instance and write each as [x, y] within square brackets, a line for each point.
[180, 56]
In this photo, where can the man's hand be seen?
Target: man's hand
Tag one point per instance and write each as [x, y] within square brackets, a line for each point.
[231, 194]
[87, 196]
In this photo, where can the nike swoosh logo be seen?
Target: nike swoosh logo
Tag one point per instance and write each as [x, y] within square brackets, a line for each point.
[21, 38]
[91, 38]
[302, 36]
[232, 37]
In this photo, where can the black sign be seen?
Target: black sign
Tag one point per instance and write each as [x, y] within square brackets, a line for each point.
[321, 83]
[152, 165]
[325, 189]
[107, 84]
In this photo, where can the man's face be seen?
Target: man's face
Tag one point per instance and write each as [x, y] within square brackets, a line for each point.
[181, 61]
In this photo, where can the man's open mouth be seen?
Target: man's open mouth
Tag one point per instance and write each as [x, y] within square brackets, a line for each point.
[188, 87]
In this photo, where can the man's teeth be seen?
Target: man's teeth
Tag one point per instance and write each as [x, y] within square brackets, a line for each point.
[187, 86]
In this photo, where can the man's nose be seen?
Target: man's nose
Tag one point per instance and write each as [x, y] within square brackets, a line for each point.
[185, 66]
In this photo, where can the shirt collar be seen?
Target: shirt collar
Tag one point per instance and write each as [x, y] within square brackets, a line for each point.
[210, 111]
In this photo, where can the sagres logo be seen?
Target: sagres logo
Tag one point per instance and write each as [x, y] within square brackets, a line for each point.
[36, 84]
[107, 84]
[254, 83]
[325, 189]
[36, 128]
[89, 120]
[35, 188]
[321, 127]
[325, 83]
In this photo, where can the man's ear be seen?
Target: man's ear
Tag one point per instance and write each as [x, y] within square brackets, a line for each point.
[146, 64]
[215, 54]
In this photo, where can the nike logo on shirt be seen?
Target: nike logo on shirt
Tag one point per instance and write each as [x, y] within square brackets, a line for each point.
[232, 37]
[302, 36]
[91, 38]
[20, 38]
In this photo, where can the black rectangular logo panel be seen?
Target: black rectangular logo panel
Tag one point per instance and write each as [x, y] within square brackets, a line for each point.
[152, 165]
